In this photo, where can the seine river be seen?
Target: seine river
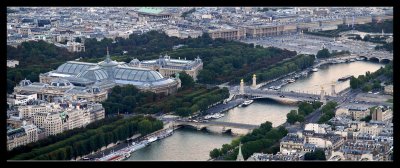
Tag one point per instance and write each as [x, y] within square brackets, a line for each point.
[187, 144]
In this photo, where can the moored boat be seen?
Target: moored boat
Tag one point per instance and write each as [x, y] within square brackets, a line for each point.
[345, 78]
[247, 102]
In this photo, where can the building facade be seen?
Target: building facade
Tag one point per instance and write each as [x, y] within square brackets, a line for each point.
[382, 114]
[167, 66]
[21, 136]
[228, 34]
[12, 63]
[91, 81]
[291, 142]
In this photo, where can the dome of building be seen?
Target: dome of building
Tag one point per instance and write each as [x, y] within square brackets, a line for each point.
[58, 82]
[94, 74]
[108, 62]
[135, 61]
[135, 74]
[25, 82]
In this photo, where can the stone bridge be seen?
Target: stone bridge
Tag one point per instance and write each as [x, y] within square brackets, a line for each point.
[225, 125]
[284, 96]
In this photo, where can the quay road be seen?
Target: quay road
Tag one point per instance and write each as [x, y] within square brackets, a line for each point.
[109, 150]
[224, 107]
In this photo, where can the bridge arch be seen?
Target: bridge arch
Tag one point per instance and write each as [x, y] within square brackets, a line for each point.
[196, 127]
[275, 99]
[385, 60]
[374, 59]
[363, 57]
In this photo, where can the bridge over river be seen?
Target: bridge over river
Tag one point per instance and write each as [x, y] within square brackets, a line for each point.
[226, 125]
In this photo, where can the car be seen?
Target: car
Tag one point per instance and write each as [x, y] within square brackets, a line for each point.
[370, 92]
[376, 93]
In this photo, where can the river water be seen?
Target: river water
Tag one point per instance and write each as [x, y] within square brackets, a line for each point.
[187, 144]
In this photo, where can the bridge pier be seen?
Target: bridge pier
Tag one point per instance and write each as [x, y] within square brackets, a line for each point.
[254, 86]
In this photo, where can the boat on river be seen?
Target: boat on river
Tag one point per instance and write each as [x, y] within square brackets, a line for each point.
[247, 102]
[344, 78]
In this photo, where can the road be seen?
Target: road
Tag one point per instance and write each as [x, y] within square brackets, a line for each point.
[107, 151]
[313, 117]
[223, 107]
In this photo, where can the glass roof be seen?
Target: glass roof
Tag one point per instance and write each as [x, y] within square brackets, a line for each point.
[130, 74]
[74, 67]
[94, 74]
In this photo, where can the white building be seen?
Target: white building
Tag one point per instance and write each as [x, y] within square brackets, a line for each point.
[21, 99]
[371, 129]
[12, 63]
[30, 110]
[319, 142]
[317, 128]
[75, 47]
[57, 118]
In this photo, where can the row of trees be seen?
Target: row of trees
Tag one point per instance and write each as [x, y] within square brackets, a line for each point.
[376, 27]
[92, 139]
[369, 81]
[262, 139]
[330, 33]
[324, 53]
[59, 137]
[386, 46]
[303, 110]
[125, 99]
[373, 27]
[328, 111]
[297, 63]
[376, 39]
[187, 101]
[230, 61]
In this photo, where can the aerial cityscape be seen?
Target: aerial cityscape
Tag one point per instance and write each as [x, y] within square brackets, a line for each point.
[96, 84]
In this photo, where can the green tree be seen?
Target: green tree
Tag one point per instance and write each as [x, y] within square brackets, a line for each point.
[318, 154]
[215, 153]
[291, 117]
[144, 127]
[305, 108]
[324, 53]
[367, 88]
[187, 80]
[78, 39]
